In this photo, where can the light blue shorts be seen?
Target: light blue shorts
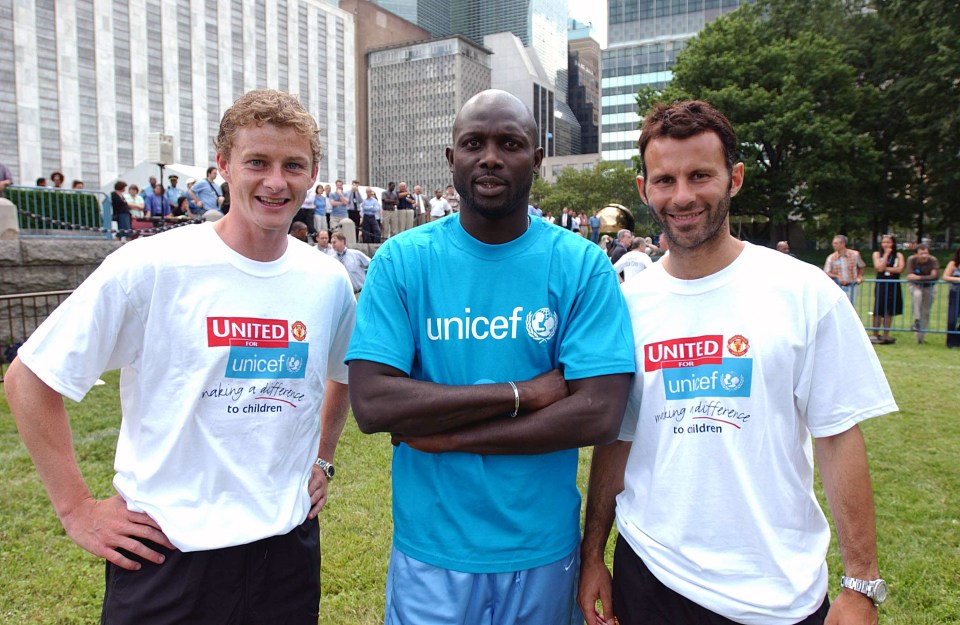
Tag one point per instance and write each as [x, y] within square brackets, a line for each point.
[421, 594]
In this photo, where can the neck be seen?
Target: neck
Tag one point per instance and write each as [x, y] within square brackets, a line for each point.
[494, 231]
[704, 260]
[247, 240]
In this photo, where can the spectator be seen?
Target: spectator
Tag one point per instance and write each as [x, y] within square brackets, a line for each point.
[584, 224]
[121, 212]
[783, 247]
[624, 241]
[323, 243]
[355, 261]
[182, 208]
[952, 275]
[845, 267]
[420, 206]
[634, 261]
[172, 194]
[439, 207]
[6, 177]
[595, 227]
[41, 182]
[319, 209]
[306, 213]
[923, 270]
[225, 205]
[453, 199]
[355, 203]
[77, 184]
[191, 202]
[534, 211]
[148, 190]
[888, 297]
[206, 193]
[370, 218]
[566, 219]
[338, 206]
[389, 201]
[134, 202]
[224, 452]
[298, 230]
[405, 207]
[155, 206]
[57, 179]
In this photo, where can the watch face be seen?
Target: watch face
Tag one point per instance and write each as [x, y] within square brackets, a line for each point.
[329, 471]
[880, 591]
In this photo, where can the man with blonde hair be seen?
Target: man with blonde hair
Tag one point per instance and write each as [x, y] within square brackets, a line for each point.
[230, 415]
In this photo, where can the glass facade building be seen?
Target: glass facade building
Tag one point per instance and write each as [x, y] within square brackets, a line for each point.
[643, 40]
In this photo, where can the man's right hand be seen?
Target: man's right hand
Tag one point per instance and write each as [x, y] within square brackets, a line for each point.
[104, 526]
[542, 391]
[595, 584]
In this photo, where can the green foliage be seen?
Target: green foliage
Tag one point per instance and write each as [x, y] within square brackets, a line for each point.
[46, 579]
[590, 190]
[848, 111]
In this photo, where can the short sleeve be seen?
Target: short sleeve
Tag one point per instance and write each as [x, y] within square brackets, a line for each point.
[383, 332]
[336, 365]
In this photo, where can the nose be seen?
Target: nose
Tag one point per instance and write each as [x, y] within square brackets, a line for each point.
[683, 194]
[275, 180]
[491, 158]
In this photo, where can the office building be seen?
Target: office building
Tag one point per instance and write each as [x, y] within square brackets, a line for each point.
[643, 40]
[418, 89]
[583, 83]
[86, 82]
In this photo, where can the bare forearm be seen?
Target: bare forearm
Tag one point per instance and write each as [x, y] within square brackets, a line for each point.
[45, 430]
[333, 416]
[842, 461]
[590, 415]
[606, 482]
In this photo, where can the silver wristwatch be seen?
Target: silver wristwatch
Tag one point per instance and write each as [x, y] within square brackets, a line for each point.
[326, 467]
[875, 590]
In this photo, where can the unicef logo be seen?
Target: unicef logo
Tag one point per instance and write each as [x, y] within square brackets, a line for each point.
[731, 381]
[294, 363]
[542, 325]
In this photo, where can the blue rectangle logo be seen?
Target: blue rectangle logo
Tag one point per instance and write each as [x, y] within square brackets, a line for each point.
[731, 378]
[268, 363]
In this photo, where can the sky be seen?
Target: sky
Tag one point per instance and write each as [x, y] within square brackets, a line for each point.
[592, 11]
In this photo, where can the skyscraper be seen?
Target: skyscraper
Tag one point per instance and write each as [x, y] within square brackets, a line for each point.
[583, 84]
[643, 39]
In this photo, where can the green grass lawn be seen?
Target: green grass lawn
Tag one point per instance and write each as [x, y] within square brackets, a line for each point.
[914, 456]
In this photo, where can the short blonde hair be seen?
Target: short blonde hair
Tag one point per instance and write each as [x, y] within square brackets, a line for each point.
[267, 106]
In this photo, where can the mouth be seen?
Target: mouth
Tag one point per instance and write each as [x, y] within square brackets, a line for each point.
[273, 202]
[684, 218]
[489, 185]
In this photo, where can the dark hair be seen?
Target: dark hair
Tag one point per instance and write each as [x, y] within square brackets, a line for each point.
[956, 257]
[209, 169]
[119, 185]
[892, 238]
[923, 246]
[685, 119]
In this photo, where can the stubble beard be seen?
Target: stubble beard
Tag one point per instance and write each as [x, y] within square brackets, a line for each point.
[517, 199]
[711, 230]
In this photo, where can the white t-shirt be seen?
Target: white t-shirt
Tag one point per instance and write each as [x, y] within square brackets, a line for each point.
[735, 371]
[439, 207]
[632, 263]
[223, 367]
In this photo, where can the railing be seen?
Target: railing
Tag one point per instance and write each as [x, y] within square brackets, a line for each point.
[52, 212]
[20, 314]
[902, 298]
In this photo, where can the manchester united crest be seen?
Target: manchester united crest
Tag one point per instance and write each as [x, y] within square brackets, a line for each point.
[738, 345]
[299, 330]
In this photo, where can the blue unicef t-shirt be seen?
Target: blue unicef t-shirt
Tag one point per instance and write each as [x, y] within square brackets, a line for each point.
[446, 308]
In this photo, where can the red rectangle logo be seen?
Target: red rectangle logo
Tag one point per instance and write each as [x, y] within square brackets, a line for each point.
[246, 332]
[680, 353]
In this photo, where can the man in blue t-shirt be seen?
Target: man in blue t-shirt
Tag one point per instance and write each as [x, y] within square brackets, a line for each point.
[490, 364]
[206, 194]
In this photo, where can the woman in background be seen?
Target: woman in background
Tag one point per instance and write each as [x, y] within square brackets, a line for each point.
[952, 275]
[888, 297]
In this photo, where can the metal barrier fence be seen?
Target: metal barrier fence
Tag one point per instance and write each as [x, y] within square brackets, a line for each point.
[20, 314]
[52, 212]
[899, 296]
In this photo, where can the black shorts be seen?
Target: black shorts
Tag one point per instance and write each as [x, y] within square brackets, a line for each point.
[640, 599]
[274, 581]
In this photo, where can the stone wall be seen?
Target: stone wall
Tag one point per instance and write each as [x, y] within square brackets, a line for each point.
[34, 265]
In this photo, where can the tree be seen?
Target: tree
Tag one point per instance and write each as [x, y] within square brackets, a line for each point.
[590, 190]
[793, 96]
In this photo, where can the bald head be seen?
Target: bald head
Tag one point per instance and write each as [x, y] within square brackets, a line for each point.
[505, 103]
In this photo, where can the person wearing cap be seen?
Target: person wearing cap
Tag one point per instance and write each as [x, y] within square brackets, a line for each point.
[172, 194]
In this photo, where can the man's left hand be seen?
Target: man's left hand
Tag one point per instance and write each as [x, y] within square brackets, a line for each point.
[317, 487]
[852, 608]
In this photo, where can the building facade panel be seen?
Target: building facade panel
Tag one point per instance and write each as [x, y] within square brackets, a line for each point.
[84, 93]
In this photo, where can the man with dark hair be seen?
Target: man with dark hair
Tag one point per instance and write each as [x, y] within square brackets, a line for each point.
[121, 210]
[743, 354]
[233, 395]
[77, 184]
[207, 194]
[389, 200]
[41, 182]
[922, 271]
[172, 193]
[489, 371]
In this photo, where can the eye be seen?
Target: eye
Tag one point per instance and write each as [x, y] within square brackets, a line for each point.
[295, 166]
[256, 162]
